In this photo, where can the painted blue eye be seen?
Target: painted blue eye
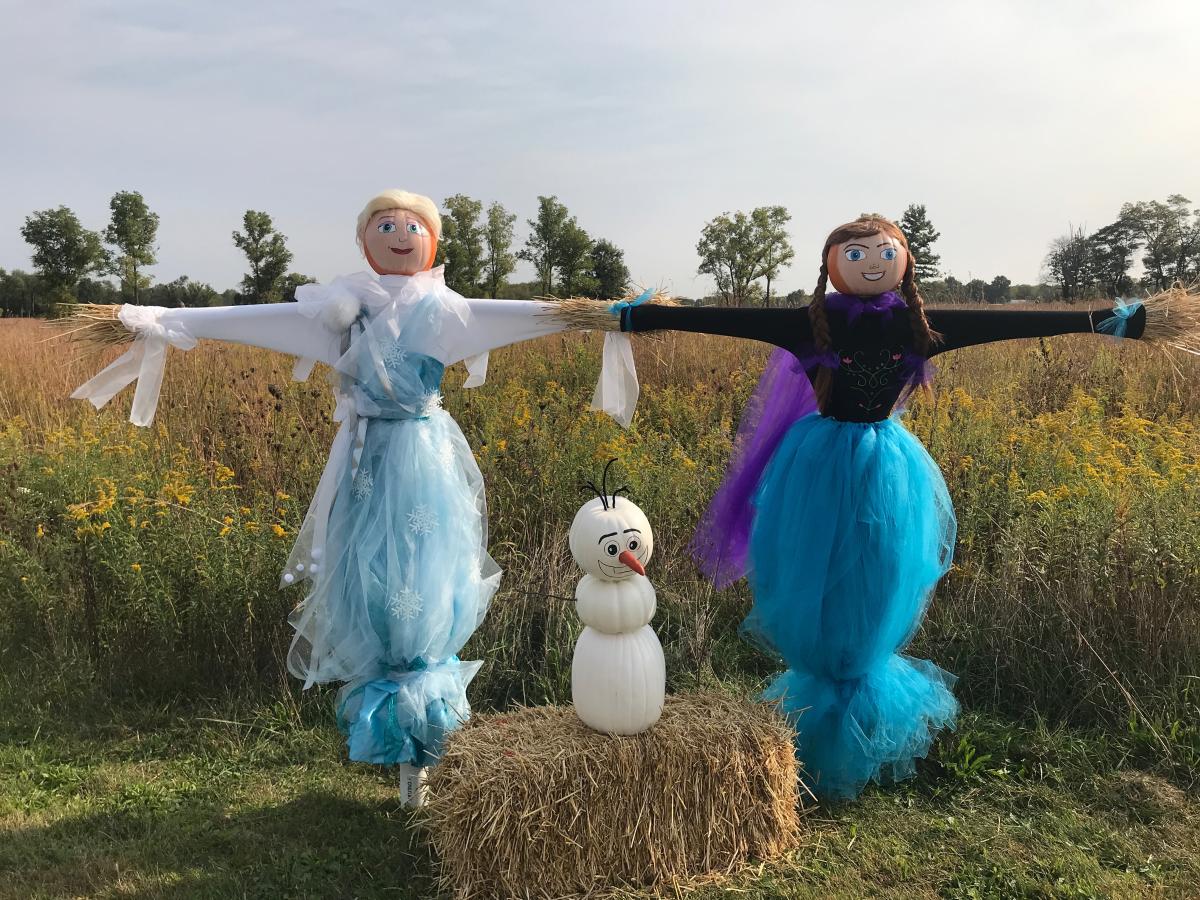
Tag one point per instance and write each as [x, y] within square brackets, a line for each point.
[387, 227]
[889, 254]
[855, 255]
[414, 228]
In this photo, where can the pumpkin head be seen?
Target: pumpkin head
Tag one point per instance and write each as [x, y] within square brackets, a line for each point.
[867, 257]
[398, 242]
[611, 538]
[398, 232]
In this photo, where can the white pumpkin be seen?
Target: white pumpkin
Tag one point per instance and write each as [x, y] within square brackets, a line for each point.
[618, 674]
[615, 607]
[618, 681]
[611, 538]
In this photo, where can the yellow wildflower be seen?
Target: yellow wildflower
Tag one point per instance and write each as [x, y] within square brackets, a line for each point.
[279, 531]
[41, 532]
[136, 567]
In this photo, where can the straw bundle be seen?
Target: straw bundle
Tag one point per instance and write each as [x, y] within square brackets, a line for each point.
[532, 803]
[583, 314]
[94, 324]
[1173, 318]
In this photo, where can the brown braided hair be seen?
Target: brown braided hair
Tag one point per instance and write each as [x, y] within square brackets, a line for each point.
[863, 227]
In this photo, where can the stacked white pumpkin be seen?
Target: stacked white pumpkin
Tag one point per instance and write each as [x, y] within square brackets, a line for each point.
[618, 674]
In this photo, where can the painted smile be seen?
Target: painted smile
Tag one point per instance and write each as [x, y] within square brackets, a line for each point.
[621, 571]
[872, 276]
[401, 251]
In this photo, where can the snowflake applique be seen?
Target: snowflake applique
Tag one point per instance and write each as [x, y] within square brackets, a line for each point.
[363, 485]
[395, 355]
[431, 403]
[405, 605]
[446, 456]
[422, 520]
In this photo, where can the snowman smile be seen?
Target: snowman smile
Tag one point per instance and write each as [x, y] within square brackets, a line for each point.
[619, 571]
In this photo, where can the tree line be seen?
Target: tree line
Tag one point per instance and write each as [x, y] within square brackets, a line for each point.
[73, 264]
[744, 253]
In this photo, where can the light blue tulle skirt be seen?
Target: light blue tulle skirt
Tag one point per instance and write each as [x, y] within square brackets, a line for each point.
[406, 580]
[853, 528]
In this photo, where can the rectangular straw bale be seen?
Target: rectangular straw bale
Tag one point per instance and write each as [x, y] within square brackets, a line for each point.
[533, 803]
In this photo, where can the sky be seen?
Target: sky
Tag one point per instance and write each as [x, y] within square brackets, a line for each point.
[1010, 121]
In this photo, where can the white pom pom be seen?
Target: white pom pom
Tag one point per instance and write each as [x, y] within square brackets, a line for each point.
[340, 311]
[314, 568]
[316, 552]
[289, 578]
[299, 567]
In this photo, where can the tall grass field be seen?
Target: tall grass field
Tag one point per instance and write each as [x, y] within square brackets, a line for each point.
[142, 634]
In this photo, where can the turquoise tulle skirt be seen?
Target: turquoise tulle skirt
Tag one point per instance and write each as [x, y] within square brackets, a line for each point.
[853, 528]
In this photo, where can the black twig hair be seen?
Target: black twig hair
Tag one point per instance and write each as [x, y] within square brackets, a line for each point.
[602, 492]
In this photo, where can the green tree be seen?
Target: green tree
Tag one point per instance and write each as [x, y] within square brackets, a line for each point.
[181, 292]
[462, 244]
[975, 290]
[1070, 264]
[545, 234]
[22, 294]
[572, 256]
[291, 281]
[132, 230]
[266, 251]
[772, 222]
[738, 249]
[609, 272]
[1113, 247]
[997, 291]
[921, 235]
[1169, 236]
[499, 261]
[63, 250]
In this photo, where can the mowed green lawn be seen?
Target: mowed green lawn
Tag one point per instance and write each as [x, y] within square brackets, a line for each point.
[260, 802]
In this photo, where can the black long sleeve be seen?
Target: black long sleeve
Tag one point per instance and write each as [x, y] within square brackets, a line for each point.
[787, 328]
[968, 327]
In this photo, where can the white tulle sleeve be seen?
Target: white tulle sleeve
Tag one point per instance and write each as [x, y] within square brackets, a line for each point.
[498, 323]
[275, 326]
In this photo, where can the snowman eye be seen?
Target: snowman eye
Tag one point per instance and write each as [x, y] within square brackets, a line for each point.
[633, 543]
[889, 254]
[612, 549]
[387, 227]
[855, 255]
[414, 228]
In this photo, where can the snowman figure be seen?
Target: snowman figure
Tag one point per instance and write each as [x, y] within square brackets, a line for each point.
[618, 674]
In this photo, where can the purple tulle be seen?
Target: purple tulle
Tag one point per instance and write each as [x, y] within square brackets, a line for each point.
[783, 396]
[882, 305]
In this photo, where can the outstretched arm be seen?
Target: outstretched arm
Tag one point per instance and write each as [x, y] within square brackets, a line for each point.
[787, 328]
[498, 323]
[968, 327]
[273, 326]
[279, 326]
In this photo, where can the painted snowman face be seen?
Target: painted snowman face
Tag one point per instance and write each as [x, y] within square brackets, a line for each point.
[611, 544]
[397, 242]
[867, 267]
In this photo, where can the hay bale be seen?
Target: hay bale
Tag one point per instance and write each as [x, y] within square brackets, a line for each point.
[532, 803]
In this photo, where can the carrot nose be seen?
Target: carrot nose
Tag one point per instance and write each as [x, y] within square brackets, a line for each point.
[632, 561]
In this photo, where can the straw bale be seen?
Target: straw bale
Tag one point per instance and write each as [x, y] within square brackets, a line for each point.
[533, 803]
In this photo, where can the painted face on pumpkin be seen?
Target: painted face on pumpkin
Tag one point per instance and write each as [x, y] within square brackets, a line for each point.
[867, 266]
[611, 544]
[397, 242]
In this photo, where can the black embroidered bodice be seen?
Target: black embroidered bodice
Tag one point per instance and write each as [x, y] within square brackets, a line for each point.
[873, 359]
